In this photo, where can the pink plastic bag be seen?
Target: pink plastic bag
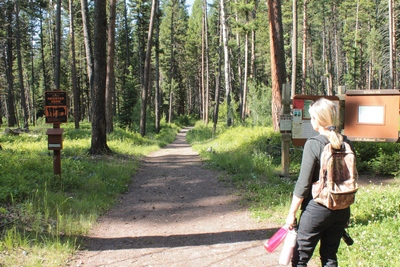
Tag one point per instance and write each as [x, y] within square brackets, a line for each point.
[271, 244]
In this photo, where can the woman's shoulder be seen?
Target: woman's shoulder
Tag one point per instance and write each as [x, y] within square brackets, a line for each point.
[322, 139]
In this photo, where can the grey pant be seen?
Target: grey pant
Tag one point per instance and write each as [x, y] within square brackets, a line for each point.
[318, 223]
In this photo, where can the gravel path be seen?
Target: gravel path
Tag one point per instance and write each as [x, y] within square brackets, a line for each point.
[178, 213]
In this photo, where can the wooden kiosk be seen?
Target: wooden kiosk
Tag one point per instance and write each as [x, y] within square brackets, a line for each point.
[372, 115]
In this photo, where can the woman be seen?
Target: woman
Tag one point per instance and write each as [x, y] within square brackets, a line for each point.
[317, 223]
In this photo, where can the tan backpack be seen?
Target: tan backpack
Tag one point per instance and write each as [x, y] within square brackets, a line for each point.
[337, 184]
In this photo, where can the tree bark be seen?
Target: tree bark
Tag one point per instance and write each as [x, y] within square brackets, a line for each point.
[278, 69]
[294, 47]
[88, 46]
[207, 105]
[304, 56]
[246, 69]
[99, 135]
[110, 79]
[226, 64]
[157, 97]
[392, 46]
[73, 66]
[217, 84]
[253, 70]
[202, 71]
[57, 47]
[147, 68]
[24, 105]
[171, 64]
[46, 79]
[9, 62]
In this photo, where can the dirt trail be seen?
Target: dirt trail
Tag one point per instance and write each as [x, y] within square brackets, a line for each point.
[178, 213]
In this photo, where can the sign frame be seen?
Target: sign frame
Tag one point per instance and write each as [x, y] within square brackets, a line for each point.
[56, 110]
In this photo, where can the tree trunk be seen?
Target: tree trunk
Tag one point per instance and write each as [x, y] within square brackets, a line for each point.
[202, 72]
[157, 97]
[246, 66]
[294, 47]
[217, 84]
[278, 70]
[99, 135]
[88, 46]
[9, 62]
[304, 57]
[110, 79]
[226, 65]
[57, 47]
[246, 69]
[392, 46]
[253, 70]
[46, 80]
[24, 105]
[207, 106]
[239, 77]
[127, 45]
[336, 44]
[73, 66]
[172, 66]
[147, 69]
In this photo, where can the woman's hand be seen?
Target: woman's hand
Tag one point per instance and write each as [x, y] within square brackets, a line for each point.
[291, 220]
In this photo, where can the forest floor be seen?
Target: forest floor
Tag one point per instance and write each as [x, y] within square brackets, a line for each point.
[178, 213]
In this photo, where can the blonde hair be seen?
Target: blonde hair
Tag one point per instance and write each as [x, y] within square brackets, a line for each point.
[325, 114]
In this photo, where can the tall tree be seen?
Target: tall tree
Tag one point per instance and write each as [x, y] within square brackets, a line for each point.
[205, 65]
[217, 83]
[304, 53]
[227, 73]
[246, 66]
[392, 45]
[294, 47]
[73, 66]
[147, 69]
[157, 94]
[99, 135]
[88, 44]
[57, 47]
[173, 31]
[278, 69]
[110, 79]
[24, 95]
[9, 62]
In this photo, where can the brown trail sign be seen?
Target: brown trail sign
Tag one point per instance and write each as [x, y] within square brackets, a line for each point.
[56, 106]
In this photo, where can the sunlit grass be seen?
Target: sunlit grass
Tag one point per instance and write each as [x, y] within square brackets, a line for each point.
[43, 216]
[245, 154]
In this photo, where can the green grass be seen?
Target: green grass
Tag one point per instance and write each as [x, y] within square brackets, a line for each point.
[375, 228]
[248, 155]
[44, 216]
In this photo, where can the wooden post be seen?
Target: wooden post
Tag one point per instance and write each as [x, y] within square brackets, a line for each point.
[286, 134]
[342, 96]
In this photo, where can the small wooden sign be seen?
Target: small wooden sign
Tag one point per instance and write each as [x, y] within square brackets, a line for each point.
[56, 107]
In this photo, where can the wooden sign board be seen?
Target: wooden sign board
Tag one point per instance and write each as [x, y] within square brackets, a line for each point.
[301, 123]
[372, 115]
[56, 107]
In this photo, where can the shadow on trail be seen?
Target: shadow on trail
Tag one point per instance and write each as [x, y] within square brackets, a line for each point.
[178, 240]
